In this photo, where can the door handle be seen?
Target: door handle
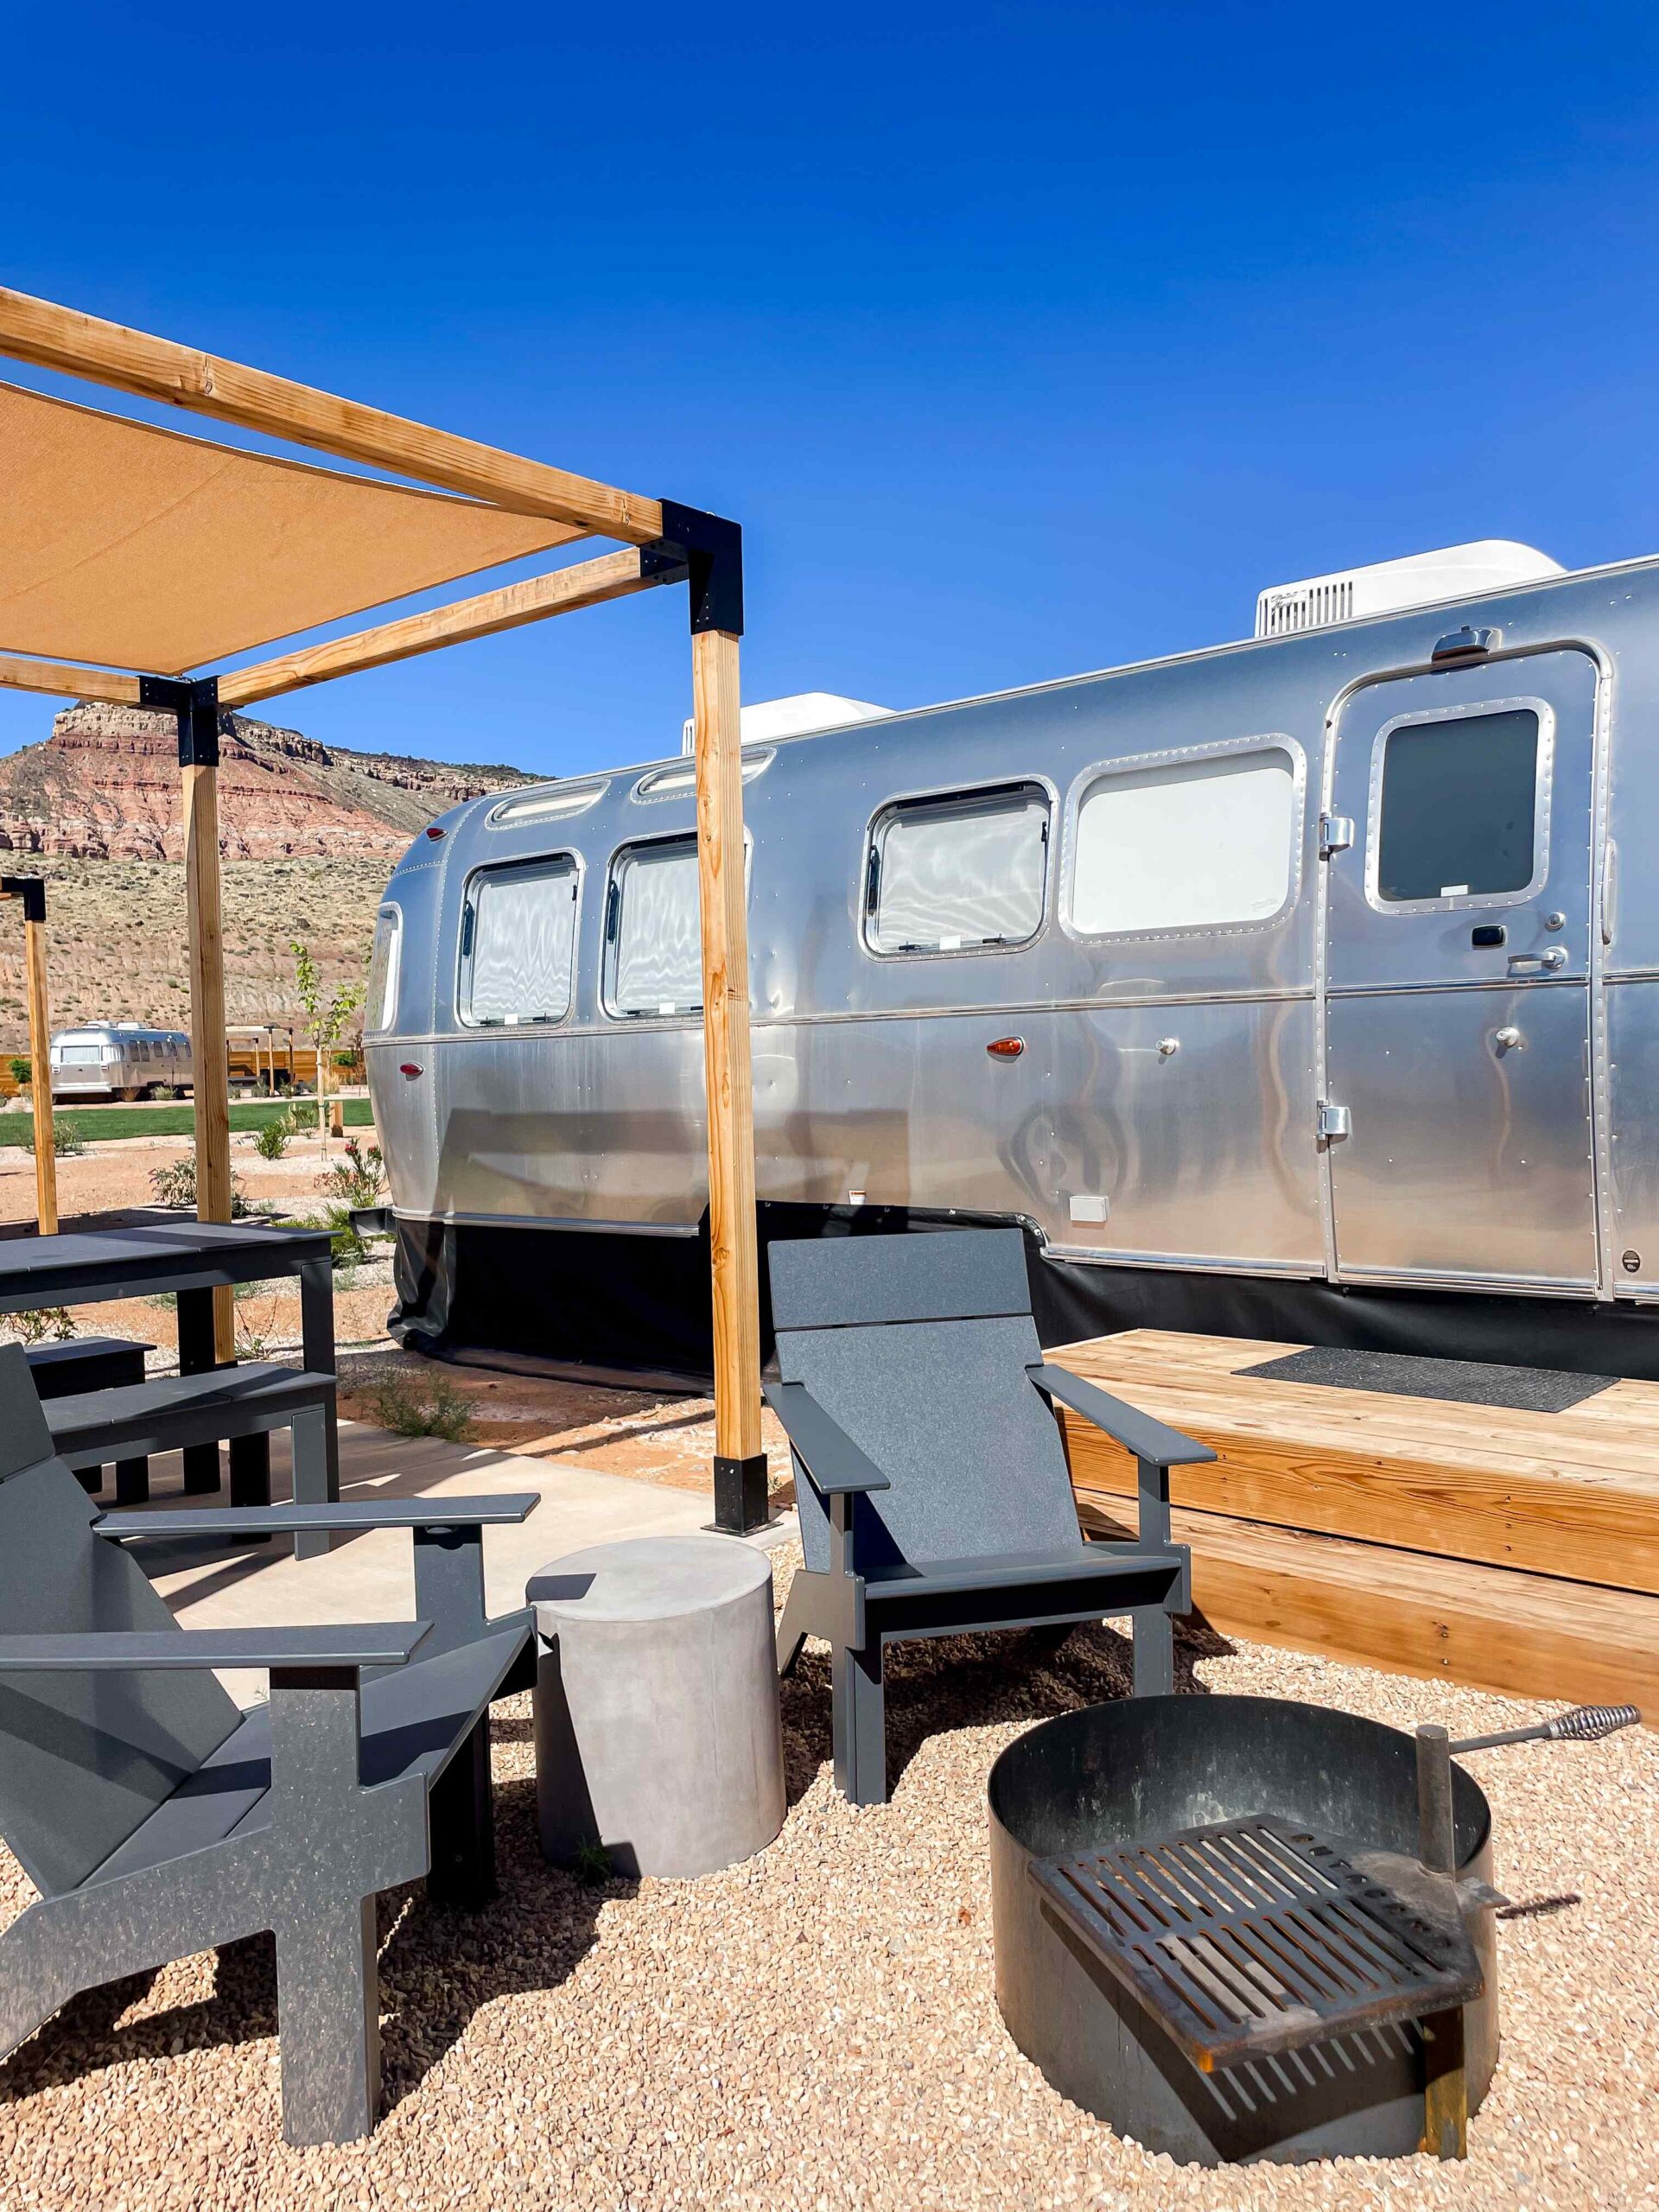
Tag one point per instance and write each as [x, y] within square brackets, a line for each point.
[1609, 891]
[1538, 963]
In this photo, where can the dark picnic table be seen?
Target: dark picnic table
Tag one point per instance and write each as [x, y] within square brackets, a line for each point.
[191, 1259]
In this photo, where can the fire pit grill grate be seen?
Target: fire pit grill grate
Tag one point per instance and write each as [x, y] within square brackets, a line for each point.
[1256, 1936]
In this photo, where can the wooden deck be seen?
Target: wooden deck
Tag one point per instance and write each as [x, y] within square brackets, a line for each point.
[1512, 1551]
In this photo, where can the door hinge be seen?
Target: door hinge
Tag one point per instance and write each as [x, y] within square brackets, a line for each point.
[1333, 1121]
[1336, 833]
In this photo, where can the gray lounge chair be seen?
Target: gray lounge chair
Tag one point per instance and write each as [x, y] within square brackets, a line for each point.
[931, 1473]
[158, 1819]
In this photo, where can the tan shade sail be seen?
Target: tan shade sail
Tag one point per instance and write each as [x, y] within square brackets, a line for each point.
[143, 548]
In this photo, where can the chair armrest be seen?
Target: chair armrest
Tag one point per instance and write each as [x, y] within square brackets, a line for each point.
[836, 1466]
[256, 1520]
[385, 1643]
[1139, 1434]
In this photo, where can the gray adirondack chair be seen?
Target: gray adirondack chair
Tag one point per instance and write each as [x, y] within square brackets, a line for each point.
[931, 1474]
[158, 1819]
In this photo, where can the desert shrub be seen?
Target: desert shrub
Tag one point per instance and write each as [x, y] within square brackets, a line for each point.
[21, 1071]
[304, 1114]
[40, 1322]
[273, 1138]
[428, 1406]
[174, 1185]
[162, 1090]
[359, 1180]
[67, 1142]
[346, 1246]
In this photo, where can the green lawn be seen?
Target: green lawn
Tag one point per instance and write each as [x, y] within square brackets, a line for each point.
[176, 1119]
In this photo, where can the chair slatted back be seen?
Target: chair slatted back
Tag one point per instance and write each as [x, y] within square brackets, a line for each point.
[84, 1757]
[917, 1346]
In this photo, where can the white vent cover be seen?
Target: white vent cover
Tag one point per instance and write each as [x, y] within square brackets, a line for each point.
[1386, 586]
[795, 716]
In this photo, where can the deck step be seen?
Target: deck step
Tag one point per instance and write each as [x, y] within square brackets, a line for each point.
[1528, 1636]
[1573, 1496]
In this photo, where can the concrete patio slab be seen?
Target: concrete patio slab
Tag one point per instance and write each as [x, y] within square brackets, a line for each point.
[371, 1577]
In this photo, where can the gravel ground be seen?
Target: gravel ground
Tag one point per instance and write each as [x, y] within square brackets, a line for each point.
[816, 2029]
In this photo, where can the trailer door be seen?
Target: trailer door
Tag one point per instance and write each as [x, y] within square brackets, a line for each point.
[1457, 1115]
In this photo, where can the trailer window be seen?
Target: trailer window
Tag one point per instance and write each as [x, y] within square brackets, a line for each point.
[519, 943]
[1185, 844]
[652, 935]
[384, 964]
[959, 872]
[1457, 814]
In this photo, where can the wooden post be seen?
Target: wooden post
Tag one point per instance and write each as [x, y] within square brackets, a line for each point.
[31, 890]
[739, 1457]
[209, 1045]
[40, 1054]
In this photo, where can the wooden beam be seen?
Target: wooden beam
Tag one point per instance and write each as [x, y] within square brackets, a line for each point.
[64, 682]
[587, 584]
[209, 1045]
[59, 338]
[721, 894]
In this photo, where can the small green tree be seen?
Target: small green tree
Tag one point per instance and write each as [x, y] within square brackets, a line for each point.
[326, 1016]
[21, 1071]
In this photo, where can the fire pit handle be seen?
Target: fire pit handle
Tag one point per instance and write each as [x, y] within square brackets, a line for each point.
[1585, 1724]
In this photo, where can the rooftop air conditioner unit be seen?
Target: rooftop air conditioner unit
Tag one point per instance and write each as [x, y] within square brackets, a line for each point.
[795, 716]
[1386, 586]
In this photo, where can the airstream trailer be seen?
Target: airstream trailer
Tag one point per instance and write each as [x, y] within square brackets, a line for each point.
[118, 1059]
[1304, 988]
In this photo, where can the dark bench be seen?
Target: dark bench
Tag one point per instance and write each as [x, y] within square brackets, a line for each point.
[62, 1370]
[170, 1413]
[157, 1820]
[85, 1363]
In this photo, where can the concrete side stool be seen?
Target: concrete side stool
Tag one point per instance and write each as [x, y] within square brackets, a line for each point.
[657, 1726]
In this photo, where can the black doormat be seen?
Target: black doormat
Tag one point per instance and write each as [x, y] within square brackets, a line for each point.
[1464, 1381]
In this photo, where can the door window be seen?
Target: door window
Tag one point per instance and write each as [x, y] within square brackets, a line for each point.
[958, 873]
[1456, 813]
[518, 941]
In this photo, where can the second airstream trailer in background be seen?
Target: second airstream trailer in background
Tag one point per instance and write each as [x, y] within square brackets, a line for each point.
[1305, 988]
[119, 1059]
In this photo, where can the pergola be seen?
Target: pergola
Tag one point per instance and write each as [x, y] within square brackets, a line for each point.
[133, 558]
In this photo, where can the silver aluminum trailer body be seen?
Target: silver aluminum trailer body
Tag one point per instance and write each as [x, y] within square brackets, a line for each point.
[1348, 1072]
[119, 1059]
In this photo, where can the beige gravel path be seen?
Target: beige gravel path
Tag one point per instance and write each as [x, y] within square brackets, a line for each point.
[816, 2029]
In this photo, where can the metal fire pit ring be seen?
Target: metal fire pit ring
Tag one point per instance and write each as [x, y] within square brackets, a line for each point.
[1120, 1774]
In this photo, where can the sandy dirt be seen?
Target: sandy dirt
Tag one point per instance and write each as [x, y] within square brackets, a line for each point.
[817, 2028]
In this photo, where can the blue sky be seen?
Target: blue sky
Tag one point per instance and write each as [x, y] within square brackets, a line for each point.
[1022, 340]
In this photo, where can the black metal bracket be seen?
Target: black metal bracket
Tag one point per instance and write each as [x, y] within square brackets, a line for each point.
[739, 1494]
[194, 700]
[31, 889]
[711, 550]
